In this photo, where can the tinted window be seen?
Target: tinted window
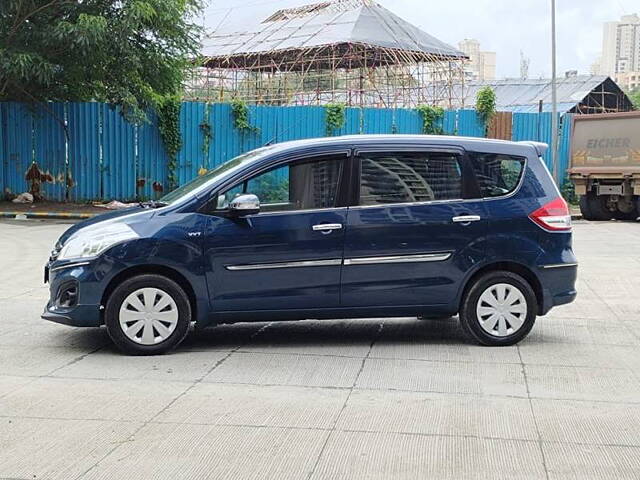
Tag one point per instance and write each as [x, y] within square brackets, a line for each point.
[409, 177]
[496, 174]
[297, 186]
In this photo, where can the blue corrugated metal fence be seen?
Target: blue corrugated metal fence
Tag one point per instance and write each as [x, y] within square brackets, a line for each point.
[105, 158]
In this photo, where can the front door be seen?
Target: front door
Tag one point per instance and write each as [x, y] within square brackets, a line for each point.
[415, 230]
[288, 256]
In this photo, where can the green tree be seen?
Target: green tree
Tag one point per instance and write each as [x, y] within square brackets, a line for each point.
[127, 52]
[486, 106]
[634, 96]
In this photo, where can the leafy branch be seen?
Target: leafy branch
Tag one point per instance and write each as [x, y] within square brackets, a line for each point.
[168, 111]
[486, 106]
[336, 116]
[431, 119]
[240, 112]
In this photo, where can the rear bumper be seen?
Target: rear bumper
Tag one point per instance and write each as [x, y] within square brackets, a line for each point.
[558, 285]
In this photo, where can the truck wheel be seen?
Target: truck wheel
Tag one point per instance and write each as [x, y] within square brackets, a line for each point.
[627, 210]
[598, 207]
[585, 210]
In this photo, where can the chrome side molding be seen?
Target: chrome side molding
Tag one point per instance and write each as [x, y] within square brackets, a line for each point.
[427, 257]
[303, 263]
[559, 265]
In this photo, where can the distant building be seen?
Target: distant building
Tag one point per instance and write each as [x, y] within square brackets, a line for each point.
[629, 81]
[620, 47]
[482, 65]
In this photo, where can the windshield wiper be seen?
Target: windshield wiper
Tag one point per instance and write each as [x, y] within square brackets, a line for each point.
[152, 204]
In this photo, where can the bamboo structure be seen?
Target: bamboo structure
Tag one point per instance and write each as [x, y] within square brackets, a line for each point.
[353, 52]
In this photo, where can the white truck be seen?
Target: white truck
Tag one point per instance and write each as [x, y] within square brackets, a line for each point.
[605, 165]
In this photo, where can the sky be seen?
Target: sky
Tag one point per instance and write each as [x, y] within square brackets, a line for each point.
[503, 26]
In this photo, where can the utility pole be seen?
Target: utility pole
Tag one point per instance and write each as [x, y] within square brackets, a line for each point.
[554, 95]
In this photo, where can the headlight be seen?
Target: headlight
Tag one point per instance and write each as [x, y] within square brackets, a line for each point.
[92, 242]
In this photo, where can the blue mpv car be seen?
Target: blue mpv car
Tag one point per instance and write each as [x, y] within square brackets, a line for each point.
[357, 226]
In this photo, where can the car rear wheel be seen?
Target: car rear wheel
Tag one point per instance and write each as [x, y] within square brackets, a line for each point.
[148, 315]
[498, 309]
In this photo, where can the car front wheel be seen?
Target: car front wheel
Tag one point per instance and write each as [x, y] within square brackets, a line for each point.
[148, 315]
[499, 309]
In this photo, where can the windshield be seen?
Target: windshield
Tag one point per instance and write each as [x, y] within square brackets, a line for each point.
[218, 172]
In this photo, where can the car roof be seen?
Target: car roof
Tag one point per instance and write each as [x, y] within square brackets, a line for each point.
[468, 143]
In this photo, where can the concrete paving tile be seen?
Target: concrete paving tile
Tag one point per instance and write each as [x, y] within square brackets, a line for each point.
[257, 405]
[605, 356]
[56, 449]
[133, 401]
[588, 422]
[175, 452]
[285, 369]
[442, 352]
[9, 384]
[221, 337]
[320, 337]
[419, 376]
[583, 383]
[351, 455]
[175, 367]
[580, 462]
[557, 329]
[35, 361]
[48, 334]
[438, 340]
[438, 414]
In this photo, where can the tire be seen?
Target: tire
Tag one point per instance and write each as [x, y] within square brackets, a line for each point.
[478, 326]
[598, 207]
[629, 216]
[631, 208]
[584, 208]
[155, 331]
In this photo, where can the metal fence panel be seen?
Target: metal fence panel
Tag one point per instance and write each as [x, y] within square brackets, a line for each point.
[469, 124]
[118, 157]
[191, 155]
[151, 168]
[18, 146]
[84, 147]
[49, 149]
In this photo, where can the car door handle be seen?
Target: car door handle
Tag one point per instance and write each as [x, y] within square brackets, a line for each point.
[327, 227]
[466, 219]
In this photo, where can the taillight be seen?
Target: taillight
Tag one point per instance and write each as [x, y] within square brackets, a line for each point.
[554, 216]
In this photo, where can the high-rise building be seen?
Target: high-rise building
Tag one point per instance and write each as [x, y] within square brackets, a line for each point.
[482, 65]
[620, 47]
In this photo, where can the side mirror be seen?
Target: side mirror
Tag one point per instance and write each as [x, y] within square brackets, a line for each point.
[243, 205]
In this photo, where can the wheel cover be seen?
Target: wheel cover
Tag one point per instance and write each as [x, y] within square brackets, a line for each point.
[501, 310]
[148, 316]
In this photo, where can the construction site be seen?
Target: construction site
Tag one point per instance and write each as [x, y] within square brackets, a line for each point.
[353, 52]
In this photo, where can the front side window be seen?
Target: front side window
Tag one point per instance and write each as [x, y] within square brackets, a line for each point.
[302, 185]
[387, 178]
[496, 174]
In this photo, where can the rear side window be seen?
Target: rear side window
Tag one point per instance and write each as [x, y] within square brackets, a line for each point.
[409, 177]
[497, 175]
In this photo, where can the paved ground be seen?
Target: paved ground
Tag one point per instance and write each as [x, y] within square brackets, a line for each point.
[375, 399]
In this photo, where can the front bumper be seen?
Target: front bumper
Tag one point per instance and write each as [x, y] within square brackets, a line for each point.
[85, 310]
[78, 316]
